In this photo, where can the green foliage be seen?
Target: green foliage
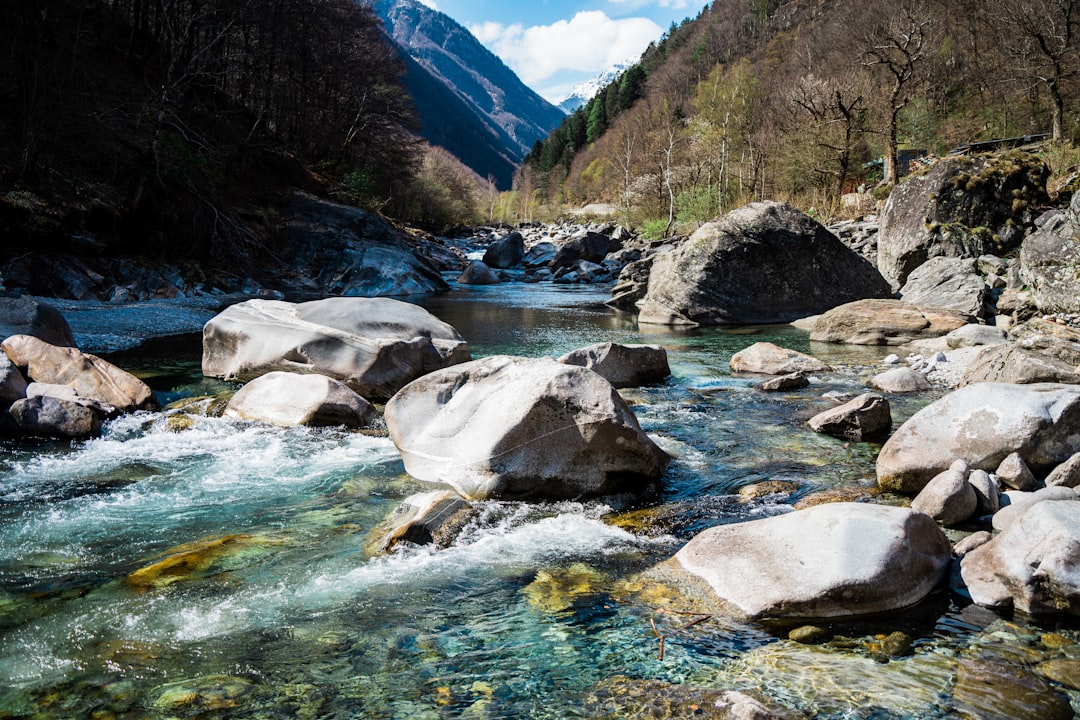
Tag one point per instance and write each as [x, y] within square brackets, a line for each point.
[654, 229]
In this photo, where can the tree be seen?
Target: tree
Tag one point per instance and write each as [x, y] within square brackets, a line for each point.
[835, 112]
[1040, 37]
[896, 50]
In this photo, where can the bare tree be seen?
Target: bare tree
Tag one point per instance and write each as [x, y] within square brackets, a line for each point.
[1040, 38]
[835, 110]
[896, 49]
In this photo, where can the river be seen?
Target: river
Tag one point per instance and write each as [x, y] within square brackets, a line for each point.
[268, 607]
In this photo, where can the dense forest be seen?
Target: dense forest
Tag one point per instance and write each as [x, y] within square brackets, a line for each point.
[175, 127]
[796, 100]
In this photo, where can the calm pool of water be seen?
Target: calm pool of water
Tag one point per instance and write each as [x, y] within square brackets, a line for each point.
[267, 607]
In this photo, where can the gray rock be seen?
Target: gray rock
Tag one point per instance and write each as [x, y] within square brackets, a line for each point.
[344, 250]
[883, 322]
[792, 381]
[26, 315]
[786, 565]
[54, 418]
[505, 427]
[12, 382]
[477, 273]
[949, 284]
[1046, 337]
[986, 492]
[68, 394]
[865, 417]
[591, 246]
[982, 424]
[990, 689]
[972, 541]
[286, 399]
[432, 518]
[900, 381]
[962, 207]
[948, 498]
[1010, 363]
[373, 345]
[762, 263]
[506, 252]
[767, 358]
[1032, 566]
[1017, 502]
[974, 335]
[622, 365]
[1013, 472]
[90, 376]
[1050, 266]
[1067, 474]
[539, 255]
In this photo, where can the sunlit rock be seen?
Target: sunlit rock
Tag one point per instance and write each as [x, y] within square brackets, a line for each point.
[90, 376]
[373, 345]
[883, 322]
[285, 399]
[865, 417]
[511, 427]
[433, 518]
[767, 358]
[982, 424]
[836, 560]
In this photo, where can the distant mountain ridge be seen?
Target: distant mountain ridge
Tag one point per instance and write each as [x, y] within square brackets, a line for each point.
[469, 102]
[585, 91]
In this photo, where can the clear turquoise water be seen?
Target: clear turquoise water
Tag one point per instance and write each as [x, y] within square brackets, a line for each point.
[280, 615]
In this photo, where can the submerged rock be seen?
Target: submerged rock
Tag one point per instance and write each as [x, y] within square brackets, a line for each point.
[373, 345]
[631, 697]
[281, 398]
[762, 263]
[990, 689]
[767, 358]
[432, 518]
[505, 427]
[982, 424]
[835, 560]
[622, 365]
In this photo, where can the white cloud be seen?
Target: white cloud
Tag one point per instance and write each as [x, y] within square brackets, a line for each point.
[673, 4]
[435, 6]
[589, 42]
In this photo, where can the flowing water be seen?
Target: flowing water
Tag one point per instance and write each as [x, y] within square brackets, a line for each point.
[217, 569]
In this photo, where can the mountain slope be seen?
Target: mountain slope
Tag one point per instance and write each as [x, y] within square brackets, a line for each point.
[468, 101]
[585, 91]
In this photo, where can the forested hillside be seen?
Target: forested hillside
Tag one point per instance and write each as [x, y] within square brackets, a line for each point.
[795, 100]
[171, 127]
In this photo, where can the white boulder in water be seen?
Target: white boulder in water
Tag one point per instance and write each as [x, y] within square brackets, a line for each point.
[507, 427]
[281, 398]
[373, 345]
[833, 560]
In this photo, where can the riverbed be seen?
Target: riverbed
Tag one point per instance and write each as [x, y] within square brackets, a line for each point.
[218, 568]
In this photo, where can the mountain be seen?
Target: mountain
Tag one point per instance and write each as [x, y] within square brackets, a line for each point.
[585, 91]
[469, 102]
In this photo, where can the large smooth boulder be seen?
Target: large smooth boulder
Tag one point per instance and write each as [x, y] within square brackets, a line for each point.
[506, 427]
[947, 284]
[25, 315]
[763, 263]
[506, 252]
[1050, 263]
[962, 207]
[589, 245]
[899, 381]
[833, 560]
[1010, 363]
[948, 498]
[53, 417]
[622, 365]
[286, 399]
[91, 377]
[344, 250]
[767, 358]
[982, 424]
[1033, 565]
[373, 345]
[883, 322]
[862, 418]
[975, 335]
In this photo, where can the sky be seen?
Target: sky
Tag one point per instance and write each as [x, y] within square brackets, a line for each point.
[554, 44]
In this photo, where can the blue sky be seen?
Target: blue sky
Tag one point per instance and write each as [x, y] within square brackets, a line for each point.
[554, 44]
